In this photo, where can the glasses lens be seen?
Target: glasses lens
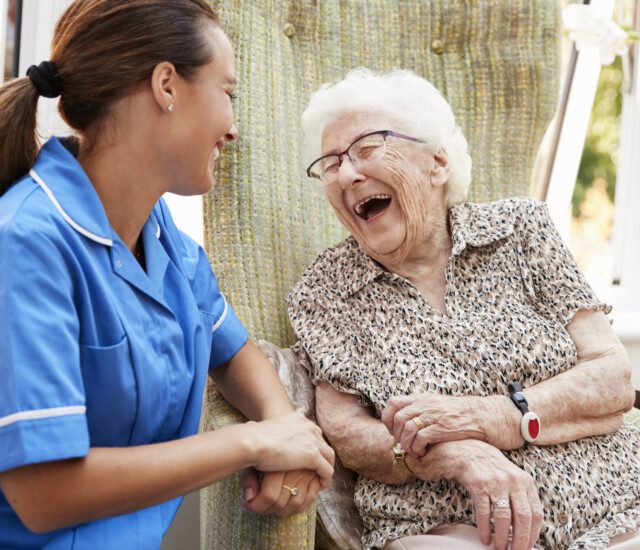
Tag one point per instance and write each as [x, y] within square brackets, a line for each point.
[368, 148]
[325, 167]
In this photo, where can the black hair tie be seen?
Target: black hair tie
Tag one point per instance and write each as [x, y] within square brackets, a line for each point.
[45, 79]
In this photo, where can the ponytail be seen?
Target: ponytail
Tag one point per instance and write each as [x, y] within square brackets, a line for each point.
[103, 50]
[19, 141]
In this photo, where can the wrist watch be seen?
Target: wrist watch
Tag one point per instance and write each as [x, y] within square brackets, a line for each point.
[530, 423]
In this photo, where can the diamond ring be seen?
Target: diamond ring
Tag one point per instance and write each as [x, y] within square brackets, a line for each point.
[502, 503]
[293, 490]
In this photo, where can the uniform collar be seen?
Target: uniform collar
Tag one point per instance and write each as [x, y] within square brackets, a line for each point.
[471, 225]
[68, 187]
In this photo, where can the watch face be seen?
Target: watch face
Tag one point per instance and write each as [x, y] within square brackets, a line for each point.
[530, 426]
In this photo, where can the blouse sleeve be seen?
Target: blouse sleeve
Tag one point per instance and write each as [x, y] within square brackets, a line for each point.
[42, 397]
[551, 275]
[335, 353]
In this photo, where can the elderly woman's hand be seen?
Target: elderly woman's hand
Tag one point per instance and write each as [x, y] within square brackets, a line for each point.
[502, 493]
[419, 420]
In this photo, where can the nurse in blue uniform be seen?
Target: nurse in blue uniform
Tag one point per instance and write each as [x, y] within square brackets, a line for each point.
[110, 317]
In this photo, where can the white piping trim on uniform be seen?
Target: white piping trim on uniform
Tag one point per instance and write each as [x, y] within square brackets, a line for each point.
[41, 413]
[222, 317]
[71, 222]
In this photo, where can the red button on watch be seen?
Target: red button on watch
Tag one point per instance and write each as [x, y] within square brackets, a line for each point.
[530, 423]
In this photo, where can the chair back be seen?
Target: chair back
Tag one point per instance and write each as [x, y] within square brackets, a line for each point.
[497, 63]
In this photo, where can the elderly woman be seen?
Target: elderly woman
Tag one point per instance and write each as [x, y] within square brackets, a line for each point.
[464, 333]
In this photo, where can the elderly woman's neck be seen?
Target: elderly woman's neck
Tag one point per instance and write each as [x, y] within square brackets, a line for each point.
[424, 266]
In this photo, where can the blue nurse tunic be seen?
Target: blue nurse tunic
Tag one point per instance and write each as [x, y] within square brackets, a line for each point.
[95, 351]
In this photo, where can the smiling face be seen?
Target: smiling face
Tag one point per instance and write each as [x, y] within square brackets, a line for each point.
[202, 121]
[385, 203]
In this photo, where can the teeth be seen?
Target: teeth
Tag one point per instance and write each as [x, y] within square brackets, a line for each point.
[358, 207]
[216, 153]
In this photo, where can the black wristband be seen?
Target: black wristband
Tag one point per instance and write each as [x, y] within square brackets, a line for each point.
[519, 400]
[530, 424]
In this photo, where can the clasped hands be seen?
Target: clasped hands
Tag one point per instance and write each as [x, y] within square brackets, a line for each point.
[279, 493]
[419, 420]
[470, 432]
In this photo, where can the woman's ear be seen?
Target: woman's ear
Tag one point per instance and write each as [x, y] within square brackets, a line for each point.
[163, 85]
[440, 170]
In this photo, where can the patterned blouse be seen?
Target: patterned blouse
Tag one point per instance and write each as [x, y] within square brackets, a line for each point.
[511, 288]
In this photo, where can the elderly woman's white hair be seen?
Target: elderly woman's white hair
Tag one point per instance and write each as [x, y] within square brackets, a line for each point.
[404, 97]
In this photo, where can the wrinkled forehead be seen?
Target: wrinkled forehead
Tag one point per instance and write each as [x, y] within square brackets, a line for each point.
[349, 126]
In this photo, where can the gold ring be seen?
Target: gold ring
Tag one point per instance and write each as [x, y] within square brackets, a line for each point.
[293, 490]
[418, 423]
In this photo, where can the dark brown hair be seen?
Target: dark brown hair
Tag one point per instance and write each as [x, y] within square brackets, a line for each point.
[103, 50]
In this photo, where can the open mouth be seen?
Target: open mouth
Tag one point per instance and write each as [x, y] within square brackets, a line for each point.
[372, 206]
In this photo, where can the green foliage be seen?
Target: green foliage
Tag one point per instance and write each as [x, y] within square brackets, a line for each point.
[599, 158]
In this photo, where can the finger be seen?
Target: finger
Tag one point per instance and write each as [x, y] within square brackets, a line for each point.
[314, 488]
[328, 453]
[250, 483]
[269, 494]
[283, 499]
[393, 406]
[291, 482]
[295, 502]
[408, 435]
[324, 469]
[482, 509]
[521, 518]
[403, 417]
[421, 441]
[537, 516]
[400, 420]
[501, 523]
[433, 434]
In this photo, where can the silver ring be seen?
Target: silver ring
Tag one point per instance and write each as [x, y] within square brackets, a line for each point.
[502, 503]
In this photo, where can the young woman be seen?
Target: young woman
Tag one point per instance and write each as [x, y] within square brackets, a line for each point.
[110, 316]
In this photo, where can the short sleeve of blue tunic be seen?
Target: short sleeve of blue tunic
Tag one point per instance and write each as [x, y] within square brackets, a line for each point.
[97, 352]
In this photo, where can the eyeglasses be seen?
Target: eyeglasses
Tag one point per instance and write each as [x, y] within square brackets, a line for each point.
[370, 147]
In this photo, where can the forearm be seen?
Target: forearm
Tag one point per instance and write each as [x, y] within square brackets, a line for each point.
[588, 399]
[250, 384]
[114, 481]
[366, 447]
[361, 441]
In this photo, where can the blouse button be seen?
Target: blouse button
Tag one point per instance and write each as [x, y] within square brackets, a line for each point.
[289, 30]
[467, 331]
[563, 518]
[437, 46]
[493, 375]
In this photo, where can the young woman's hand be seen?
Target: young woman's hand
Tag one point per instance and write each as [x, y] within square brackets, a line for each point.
[290, 442]
[273, 494]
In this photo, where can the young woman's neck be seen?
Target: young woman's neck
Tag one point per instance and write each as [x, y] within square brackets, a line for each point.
[126, 177]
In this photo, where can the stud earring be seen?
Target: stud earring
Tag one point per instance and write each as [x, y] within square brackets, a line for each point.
[170, 107]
